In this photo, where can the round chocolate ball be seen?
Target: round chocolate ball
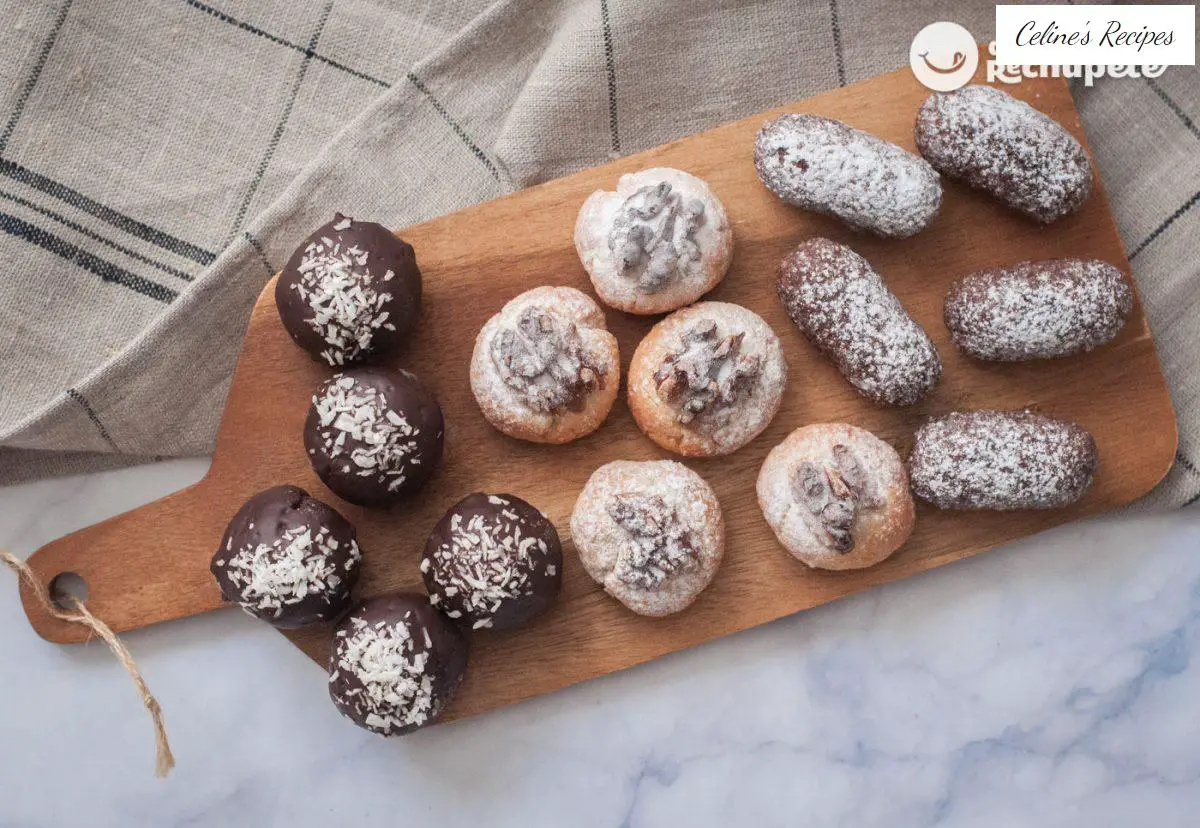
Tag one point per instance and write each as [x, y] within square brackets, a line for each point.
[396, 662]
[493, 561]
[374, 435]
[288, 559]
[351, 291]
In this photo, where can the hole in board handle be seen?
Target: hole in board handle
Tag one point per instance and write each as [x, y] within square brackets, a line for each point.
[66, 586]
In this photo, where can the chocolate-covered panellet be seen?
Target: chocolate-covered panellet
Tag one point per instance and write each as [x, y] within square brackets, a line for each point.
[373, 435]
[492, 561]
[351, 291]
[288, 559]
[396, 662]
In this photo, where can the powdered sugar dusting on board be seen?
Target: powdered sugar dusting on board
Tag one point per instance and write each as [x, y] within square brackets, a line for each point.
[1037, 310]
[826, 166]
[1001, 460]
[1003, 146]
[840, 303]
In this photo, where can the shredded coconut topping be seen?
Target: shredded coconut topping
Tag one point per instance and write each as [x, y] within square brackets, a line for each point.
[653, 237]
[826, 166]
[840, 303]
[396, 689]
[708, 373]
[346, 298]
[543, 358]
[659, 542]
[357, 425]
[1001, 145]
[296, 565]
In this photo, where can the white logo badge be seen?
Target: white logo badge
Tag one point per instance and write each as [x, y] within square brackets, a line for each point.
[944, 56]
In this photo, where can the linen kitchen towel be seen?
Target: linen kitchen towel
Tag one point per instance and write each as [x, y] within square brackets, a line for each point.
[160, 158]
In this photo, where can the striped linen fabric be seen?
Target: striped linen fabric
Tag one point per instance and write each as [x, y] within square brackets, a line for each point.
[160, 158]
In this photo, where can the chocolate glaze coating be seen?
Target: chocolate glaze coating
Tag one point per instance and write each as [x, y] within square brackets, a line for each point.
[350, 292]
[396, 662]
[492, 561]
[374, 435]
[288, 559]
[1001, 460]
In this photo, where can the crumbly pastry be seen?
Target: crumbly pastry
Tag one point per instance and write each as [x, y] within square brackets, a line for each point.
[288, 559]
[374, 435]
[493, 561]
[545, 368]
[351, 291]
[1001, 460]
[836, 496]
[993, 142]
[823, 165]
[1038, 310]
[396, 662]
[707, 379]
[842, 306]
[661, 241]
[651, 533]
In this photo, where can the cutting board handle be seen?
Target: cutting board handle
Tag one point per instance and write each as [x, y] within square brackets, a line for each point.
[140, 567]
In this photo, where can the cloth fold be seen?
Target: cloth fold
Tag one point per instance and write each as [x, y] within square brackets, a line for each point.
[160, 158]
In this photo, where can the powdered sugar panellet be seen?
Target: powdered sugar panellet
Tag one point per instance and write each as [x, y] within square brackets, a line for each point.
[1001, 460]
[836, 496]
[492, 562]
[659, 242]
[350, 291]
[651, 533]
[841, 304]
[1038, 310]
[287, 559]
[1003, 146]
[395, 664]
[373, 435]
[707, 379]
[823, 165]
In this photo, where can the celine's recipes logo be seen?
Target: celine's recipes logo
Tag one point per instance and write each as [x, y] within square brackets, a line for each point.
[1086, 42]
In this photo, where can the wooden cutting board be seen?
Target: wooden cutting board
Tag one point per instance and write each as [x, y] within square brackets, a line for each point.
[151, 565]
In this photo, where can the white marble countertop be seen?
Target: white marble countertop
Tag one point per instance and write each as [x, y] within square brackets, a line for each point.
[1048, 684]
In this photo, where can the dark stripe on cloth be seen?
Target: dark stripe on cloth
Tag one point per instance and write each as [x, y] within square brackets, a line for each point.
[132, 226]
[1190, 500]
[454, 125]
[1176, 108]
[262, 253]
[79, 228]
[836, 26]
[31, 81]
[1186, 463]
[246, 27]
[87, 409]
[106, 270]
[273, 144]
[1171, 219]
[610, 64]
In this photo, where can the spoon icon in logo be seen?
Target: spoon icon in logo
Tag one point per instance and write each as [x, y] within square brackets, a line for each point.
[944, 56]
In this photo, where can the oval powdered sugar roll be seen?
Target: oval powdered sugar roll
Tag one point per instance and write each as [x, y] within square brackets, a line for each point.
[1001, 460]
[825, 166]
[1038, 310]
[841, 304]
[1003, 146]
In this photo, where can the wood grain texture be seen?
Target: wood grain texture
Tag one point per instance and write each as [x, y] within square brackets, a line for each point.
[151, 565]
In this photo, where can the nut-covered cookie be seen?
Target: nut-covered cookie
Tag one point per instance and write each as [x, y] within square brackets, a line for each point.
[395, 664]
[707, 379]
[661, 241]
[1038, 310]
[1001, 460]
[493, 561]
[993, 142]
[651, 533]
[842, 306]
[288, 559]
[545, 368]
[374, 435]
[836, 496]
[350, 292]
[823, 165]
